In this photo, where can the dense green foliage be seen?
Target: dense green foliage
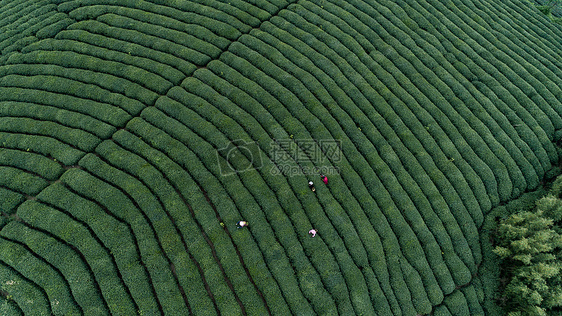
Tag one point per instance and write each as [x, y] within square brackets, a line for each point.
[135, 134]
[531, 244]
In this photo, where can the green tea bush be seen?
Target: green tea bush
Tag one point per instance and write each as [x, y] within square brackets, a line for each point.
[472, 299]
[37, 164]
[106, 113]
[16, 12]
[9, 201]
[56, 85]
[176, 11]
[21, 289]
[62, 257]
[506, 84]
[378, 298]
[21, 181]
[455, 143]
[61, 116]
[130, 205]
[115, 234]
[104, 81]
[46, 146]
[54, 28]
[183, 135]
[69, 59]
[9, 307]
[520, 45]
[213, 14]
[157, 206]
[535, 157]
[244, 12]
[188, 47]
[166, 65]
[400, 287]
[339, 63]
[45, 276]
[236, 88]
[444, 110]
[162, 18]
[456, 303]
[442, 310]
[169, 168]
[516, 72]
[96, 255]
[417, 290]
[74, 137]
[26, 23]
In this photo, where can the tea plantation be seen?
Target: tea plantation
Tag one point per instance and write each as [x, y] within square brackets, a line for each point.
[136, 134]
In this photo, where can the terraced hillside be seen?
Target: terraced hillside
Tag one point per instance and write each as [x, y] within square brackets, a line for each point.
[120, 188]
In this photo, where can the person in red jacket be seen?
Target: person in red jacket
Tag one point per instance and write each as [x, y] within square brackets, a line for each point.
[324, 178]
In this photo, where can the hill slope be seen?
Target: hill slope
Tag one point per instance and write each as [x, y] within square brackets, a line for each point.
[134, 136]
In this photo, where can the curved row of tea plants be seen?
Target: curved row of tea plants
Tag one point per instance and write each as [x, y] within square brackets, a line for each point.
[115, 124]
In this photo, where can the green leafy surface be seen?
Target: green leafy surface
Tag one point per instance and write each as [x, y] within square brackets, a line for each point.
[116, 119]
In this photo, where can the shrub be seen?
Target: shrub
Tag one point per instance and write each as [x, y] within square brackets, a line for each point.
[119, 40]
[456, 303]
[442, 310]
[20, 181]
[74, 137]
[52, 29]
[78, 236]
[105, 111]
[31, 162]
[121, 189]
[9, 201]
[61, 116]
[21, 291]
[9, 307]
[115, 234]
[472, 299]
[69, 59]
[45, 276]
[174, 42]
[66, 260]
[44, 145]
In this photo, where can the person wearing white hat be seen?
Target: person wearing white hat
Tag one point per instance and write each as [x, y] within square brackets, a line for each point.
[311, 185]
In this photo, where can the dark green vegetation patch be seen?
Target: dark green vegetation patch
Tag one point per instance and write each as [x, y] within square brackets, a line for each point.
[134, 135]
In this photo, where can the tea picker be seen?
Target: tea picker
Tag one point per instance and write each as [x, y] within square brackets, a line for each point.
[311, 185]
[241, 224]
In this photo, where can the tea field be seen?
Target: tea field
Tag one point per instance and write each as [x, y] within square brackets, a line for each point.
[135, 134]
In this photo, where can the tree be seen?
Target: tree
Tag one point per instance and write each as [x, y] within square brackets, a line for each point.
[530, 244]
